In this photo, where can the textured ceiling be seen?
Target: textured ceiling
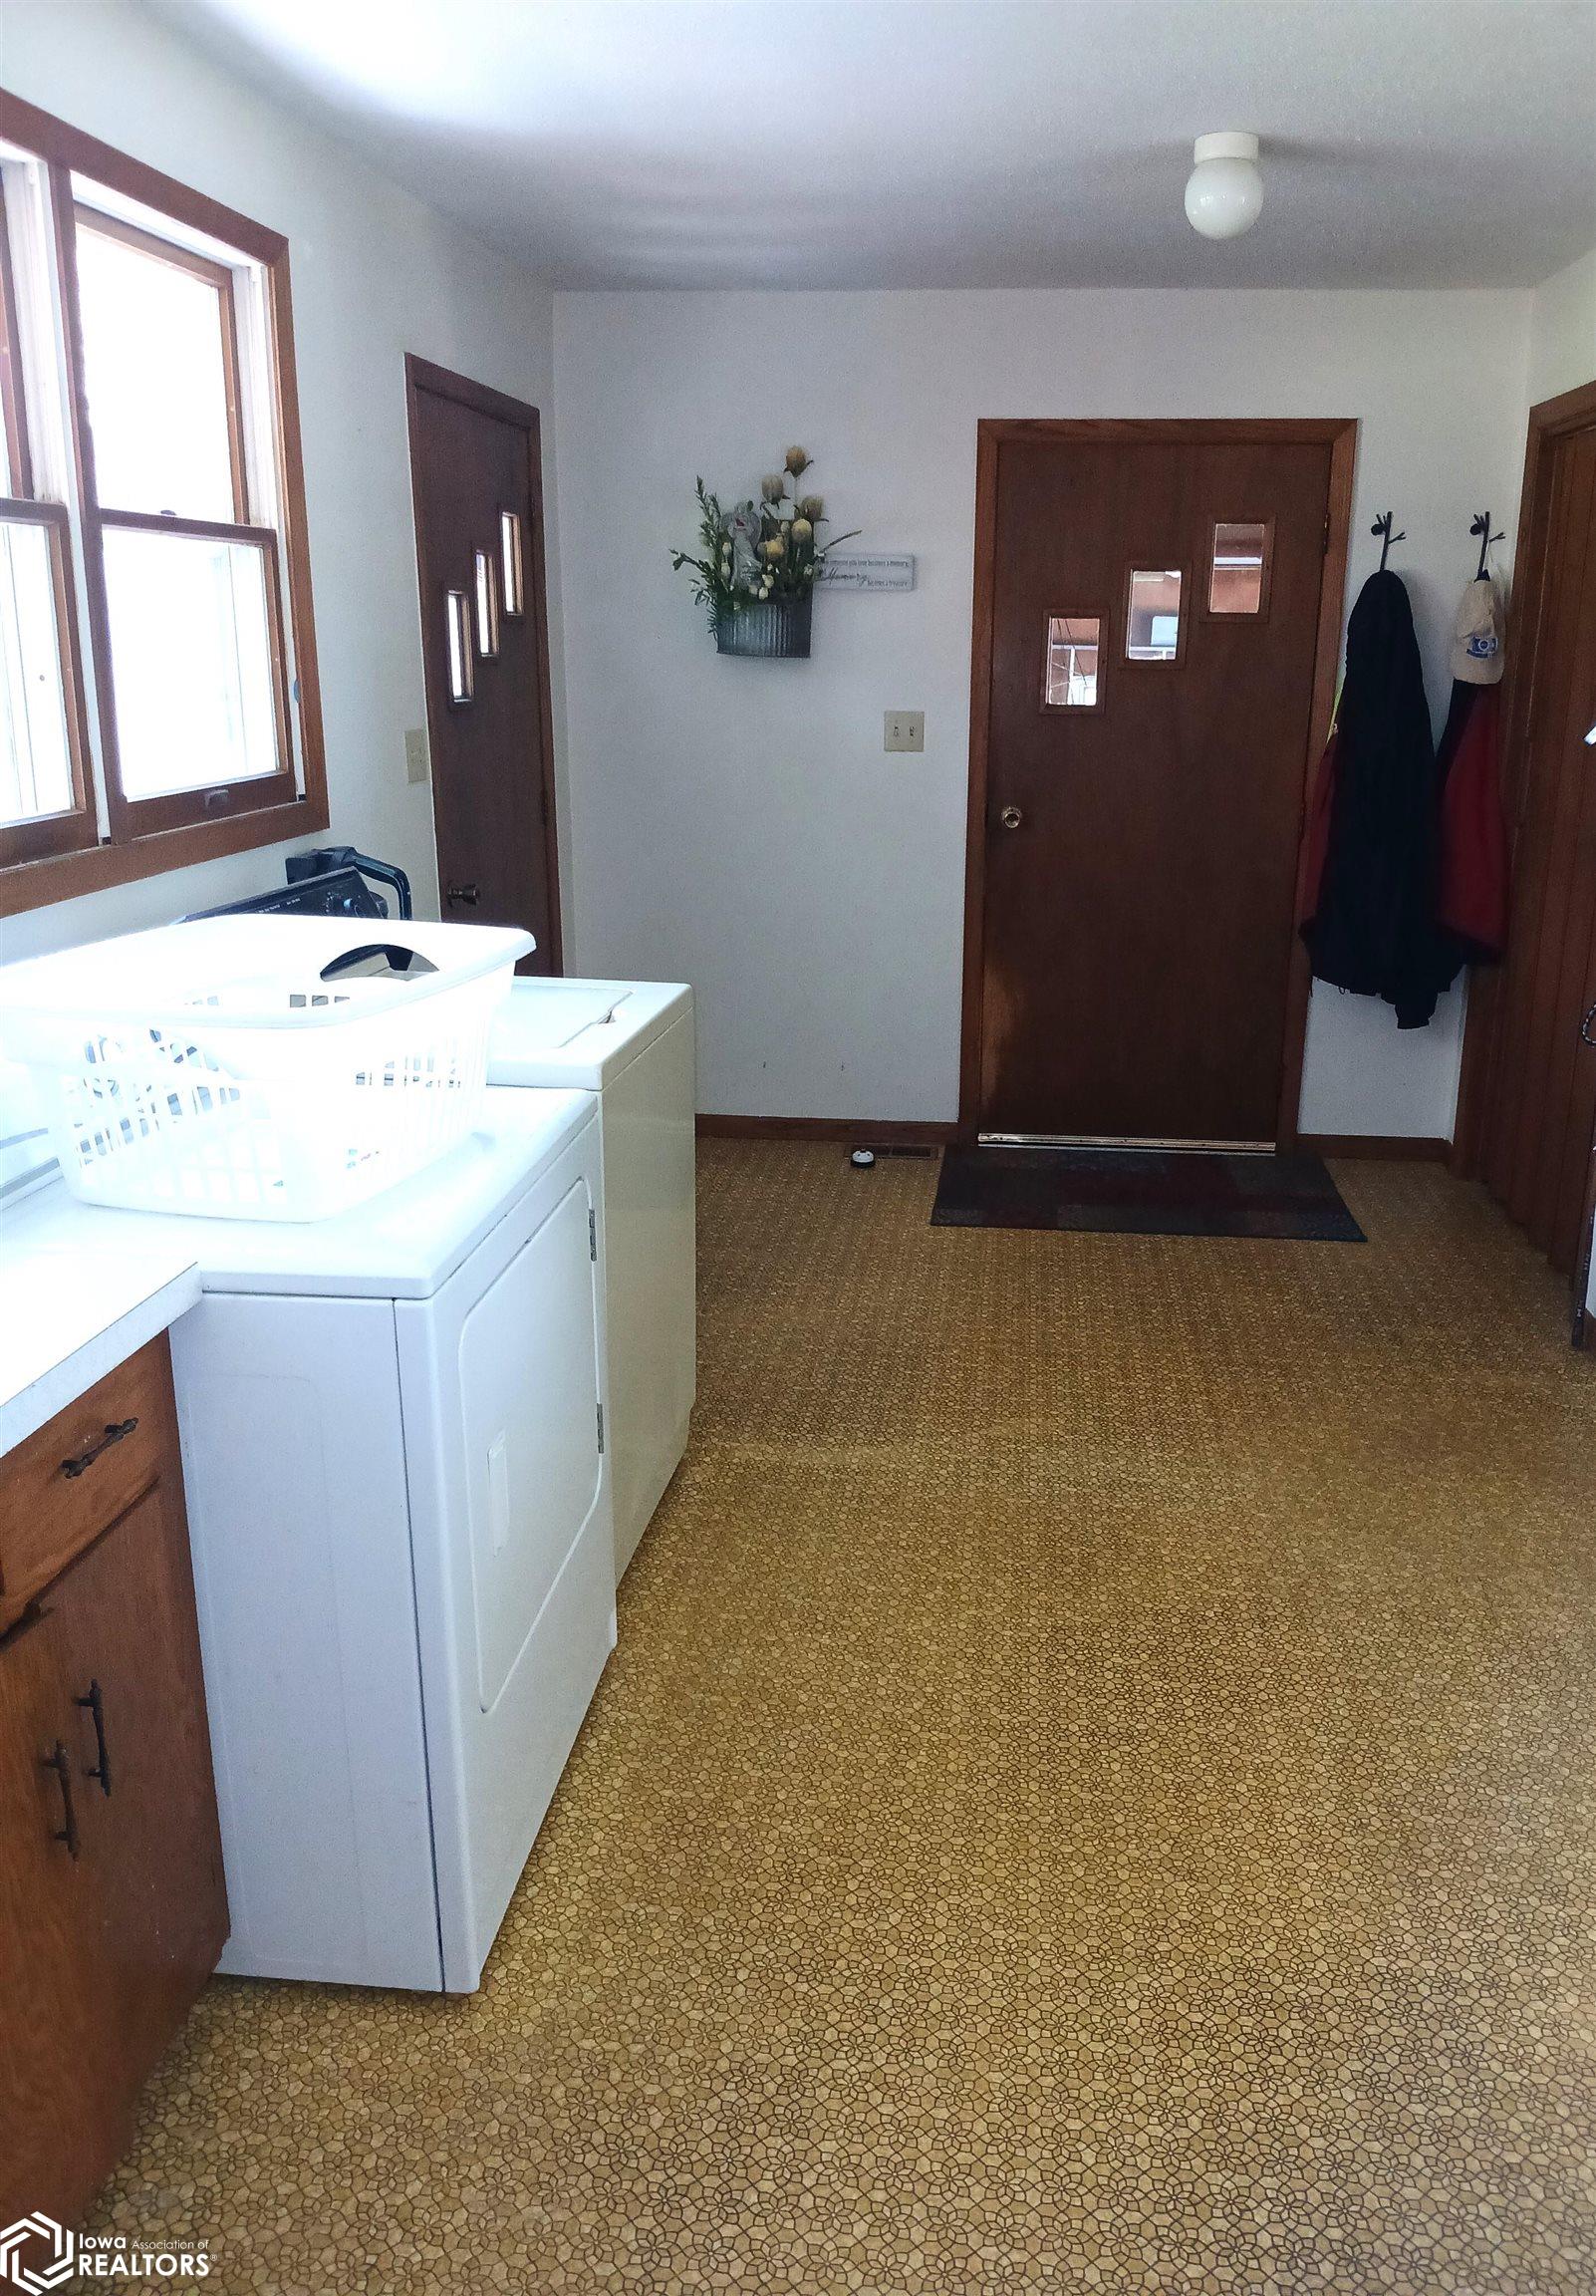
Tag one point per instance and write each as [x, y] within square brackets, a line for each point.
[957, 142]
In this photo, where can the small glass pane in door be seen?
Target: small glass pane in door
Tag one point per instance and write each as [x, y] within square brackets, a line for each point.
[1153, 614]
[1239, 572]
[457, 637]
[510, 558]
[1069, 674]
[487, 605]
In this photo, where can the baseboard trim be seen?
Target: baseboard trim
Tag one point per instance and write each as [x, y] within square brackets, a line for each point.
[895, 1132]
[885, 1132]
[1388, 1147]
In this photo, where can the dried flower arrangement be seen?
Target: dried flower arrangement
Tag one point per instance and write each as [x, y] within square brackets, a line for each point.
[759, 562]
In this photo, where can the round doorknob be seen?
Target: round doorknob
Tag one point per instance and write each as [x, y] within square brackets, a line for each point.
[1011, 817]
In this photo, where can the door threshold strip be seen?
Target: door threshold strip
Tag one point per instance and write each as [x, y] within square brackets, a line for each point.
[1126, 1141]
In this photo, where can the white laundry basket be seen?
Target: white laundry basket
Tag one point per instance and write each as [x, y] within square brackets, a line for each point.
[258, 1067]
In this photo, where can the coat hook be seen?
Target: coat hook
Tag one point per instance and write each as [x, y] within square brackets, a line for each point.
[1382, 527]
[1480, 524]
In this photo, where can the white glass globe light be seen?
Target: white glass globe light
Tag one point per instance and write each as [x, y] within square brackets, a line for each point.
[1224, 192]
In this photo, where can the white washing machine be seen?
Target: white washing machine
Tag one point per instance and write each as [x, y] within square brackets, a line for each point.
[630, 1043]
[398, 1489]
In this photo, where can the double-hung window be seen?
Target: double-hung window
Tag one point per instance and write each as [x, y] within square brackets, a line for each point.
[157, 690]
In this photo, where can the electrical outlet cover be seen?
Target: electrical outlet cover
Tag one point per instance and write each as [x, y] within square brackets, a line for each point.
[416, 756]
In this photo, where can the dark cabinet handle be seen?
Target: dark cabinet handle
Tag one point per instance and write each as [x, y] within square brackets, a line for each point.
[73, 1468]
[465, 893]
[95, 1703]
[60, 1762]
[1584, 1027]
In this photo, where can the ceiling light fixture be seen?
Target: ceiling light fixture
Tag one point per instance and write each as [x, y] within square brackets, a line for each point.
[1224, 190]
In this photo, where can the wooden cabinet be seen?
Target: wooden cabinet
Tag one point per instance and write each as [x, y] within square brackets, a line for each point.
[113, 1910]
[60, 2124]
[60, 1487]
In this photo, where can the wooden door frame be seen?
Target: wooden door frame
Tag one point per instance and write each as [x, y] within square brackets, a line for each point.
[1341, 437]
[442, 382]
[1552, 420]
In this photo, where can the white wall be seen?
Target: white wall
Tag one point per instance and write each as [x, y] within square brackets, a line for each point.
[375, 274]
[1562, 331]
[736, 824]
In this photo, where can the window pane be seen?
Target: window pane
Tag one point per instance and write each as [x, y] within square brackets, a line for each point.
[510, 554]
[12, 458]
[1239, 566]
[35, 754]
[1070, 677]
[191, 661]
[487, 605]
[457, 638]
[1152, 616]
[157, 382]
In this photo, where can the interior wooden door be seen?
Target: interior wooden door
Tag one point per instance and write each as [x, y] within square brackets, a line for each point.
[1533, 1144]
[477, 470]
[1156, 608]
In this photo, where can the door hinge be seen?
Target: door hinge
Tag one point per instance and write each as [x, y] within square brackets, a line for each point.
[1324, 539]
[593, 1237]
[601, 1430]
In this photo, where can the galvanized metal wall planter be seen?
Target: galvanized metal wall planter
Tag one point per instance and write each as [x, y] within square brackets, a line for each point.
[767, 630]
[757, 565]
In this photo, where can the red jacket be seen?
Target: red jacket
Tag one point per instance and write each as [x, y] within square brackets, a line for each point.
[1472, 900]
[1472, 871]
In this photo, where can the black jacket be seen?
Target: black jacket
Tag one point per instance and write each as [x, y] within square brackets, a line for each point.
[1371, 926]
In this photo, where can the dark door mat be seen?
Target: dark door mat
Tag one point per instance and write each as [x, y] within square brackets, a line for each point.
[1143, 1192]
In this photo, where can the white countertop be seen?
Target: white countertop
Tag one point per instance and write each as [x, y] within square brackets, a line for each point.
[72, 1310]
[83, 1288]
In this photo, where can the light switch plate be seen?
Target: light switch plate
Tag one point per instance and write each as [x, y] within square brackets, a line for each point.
[905, 729]
[416, 756]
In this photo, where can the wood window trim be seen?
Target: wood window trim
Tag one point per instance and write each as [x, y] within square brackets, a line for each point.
[278, 816]
[130, 819]
[56, 835]
[56, 142]
[1340, 435]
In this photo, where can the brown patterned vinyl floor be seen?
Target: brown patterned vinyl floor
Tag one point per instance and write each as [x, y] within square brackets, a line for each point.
[1097, 1792]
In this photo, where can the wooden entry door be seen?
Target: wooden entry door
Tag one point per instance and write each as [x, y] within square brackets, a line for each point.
[1156, 607]
[477, 470]
[1528, 1103]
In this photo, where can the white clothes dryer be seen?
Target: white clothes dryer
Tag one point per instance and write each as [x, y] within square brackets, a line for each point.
[631, 1044]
